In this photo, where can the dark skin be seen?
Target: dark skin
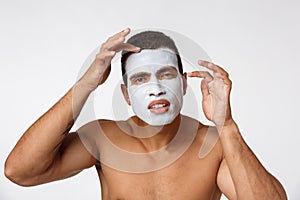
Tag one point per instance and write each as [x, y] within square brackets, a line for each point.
[47, 151]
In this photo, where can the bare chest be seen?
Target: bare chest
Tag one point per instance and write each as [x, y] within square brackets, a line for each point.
[187, 178]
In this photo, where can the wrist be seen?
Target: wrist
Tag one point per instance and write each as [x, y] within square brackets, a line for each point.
[229, 123]
[82, 86]
[228, 127]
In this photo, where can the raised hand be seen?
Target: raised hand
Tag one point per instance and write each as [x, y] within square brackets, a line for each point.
[216, 93]
[100, 68]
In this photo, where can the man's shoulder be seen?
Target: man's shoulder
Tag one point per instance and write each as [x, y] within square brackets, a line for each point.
[96, 126]
[209, 140]
[100, 122]
[202, 129]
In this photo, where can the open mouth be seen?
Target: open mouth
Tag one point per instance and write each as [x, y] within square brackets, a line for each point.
[159, 106]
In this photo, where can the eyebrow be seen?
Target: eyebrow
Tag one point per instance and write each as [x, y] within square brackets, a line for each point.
[166, 68]
[139, 74]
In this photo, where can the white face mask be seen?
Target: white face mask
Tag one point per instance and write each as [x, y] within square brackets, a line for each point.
[155, 86]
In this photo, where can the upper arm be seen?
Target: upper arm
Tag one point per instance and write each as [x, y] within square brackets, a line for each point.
[225, 182]
[72, 157]
[75, 156]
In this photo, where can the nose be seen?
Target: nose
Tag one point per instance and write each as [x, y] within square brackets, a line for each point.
[155, 88]
[158, 93]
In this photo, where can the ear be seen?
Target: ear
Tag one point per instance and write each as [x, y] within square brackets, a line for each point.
[125, 93]
[184, 80]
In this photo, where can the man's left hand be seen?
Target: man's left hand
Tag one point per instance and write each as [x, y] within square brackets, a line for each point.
[216, 93]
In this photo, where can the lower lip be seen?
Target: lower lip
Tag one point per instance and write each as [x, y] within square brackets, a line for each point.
[159, 110]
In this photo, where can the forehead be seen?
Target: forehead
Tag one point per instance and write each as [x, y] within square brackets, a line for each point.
[151, 58]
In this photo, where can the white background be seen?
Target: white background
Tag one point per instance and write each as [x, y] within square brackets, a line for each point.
[44, 43]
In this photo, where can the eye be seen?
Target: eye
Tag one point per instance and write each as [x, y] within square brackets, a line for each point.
[139, 80]
[168, 75]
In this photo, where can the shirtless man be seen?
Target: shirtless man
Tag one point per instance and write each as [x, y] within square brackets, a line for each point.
[154, 86]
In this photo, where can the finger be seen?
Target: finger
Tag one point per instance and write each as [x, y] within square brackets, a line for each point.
[122, 33]
[108, 45]
[225, 78]
[204, 88]
[201, 74]
[127, 47]
[227, 81]
[212, 66]
[118, 36]
[119, 45]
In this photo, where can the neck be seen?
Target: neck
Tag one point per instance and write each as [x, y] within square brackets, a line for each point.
[154, 137]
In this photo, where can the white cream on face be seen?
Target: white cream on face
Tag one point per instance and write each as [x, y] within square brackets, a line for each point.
[155, 85]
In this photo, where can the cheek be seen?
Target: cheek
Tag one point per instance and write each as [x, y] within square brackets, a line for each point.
[174, 86]
[136, 94]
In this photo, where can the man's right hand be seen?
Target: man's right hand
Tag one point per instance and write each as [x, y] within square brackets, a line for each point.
[45, 152]
[100, 68]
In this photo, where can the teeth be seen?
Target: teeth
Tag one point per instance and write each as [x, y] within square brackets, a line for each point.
[158, 106]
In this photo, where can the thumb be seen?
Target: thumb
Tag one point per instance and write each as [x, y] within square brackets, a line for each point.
[204, 88]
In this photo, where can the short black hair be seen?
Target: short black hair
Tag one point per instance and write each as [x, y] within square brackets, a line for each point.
[150, 40]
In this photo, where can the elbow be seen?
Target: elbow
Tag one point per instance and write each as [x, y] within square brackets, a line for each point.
[282, 195]
[10, 173]
[16, 176]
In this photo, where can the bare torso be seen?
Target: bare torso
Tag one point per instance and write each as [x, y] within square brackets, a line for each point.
[189, 177]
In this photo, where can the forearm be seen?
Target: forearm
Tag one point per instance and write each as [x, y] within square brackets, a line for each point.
[250, 178]
[39, 145]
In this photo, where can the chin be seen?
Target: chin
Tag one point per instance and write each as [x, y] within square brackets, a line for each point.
[161, 119]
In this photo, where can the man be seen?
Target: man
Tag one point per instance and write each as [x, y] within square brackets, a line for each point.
[154, 87]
